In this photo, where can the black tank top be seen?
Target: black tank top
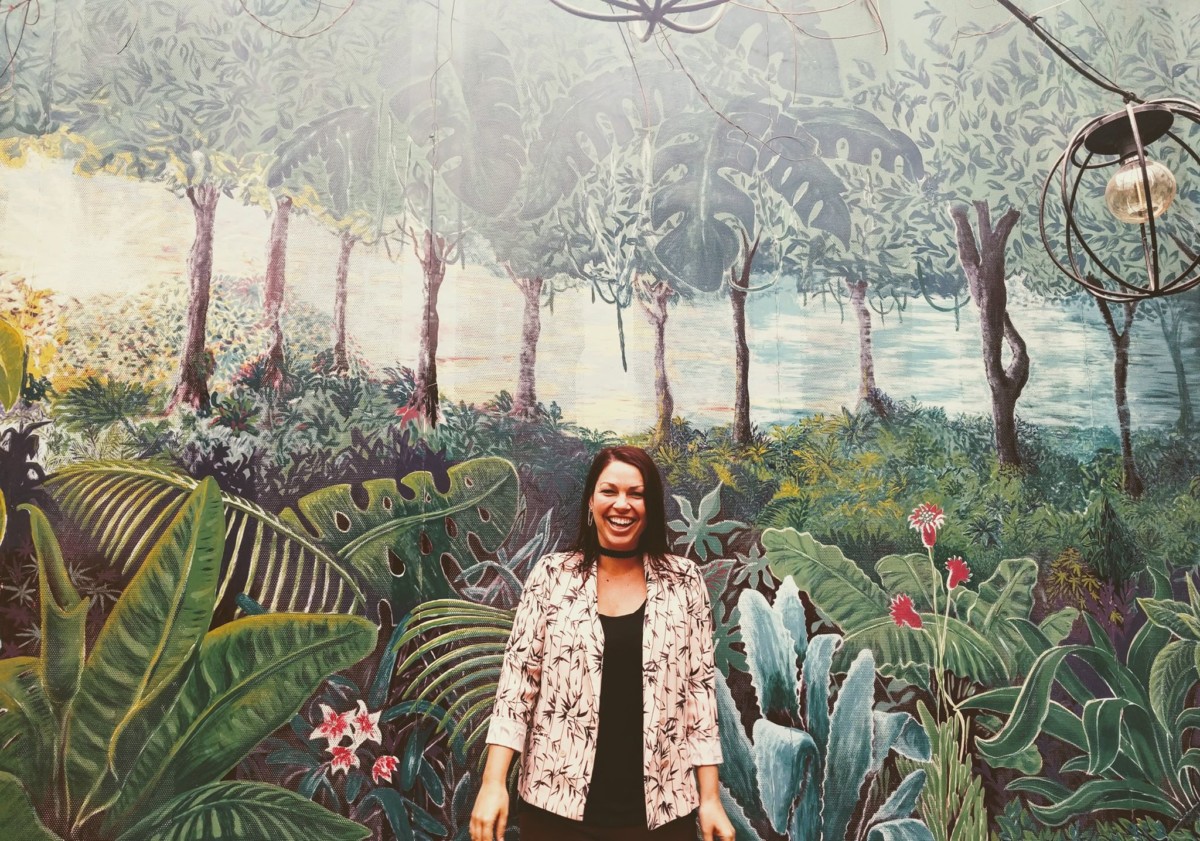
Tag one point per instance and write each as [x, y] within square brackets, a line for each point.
[616, 796]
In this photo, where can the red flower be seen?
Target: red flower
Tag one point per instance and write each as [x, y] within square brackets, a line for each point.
[344, 758]
[927, 518]
[903, 612]
[334, 728]
[382, 770]
[959, 572]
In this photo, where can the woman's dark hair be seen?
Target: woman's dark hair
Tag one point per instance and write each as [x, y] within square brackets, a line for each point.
[653, 542]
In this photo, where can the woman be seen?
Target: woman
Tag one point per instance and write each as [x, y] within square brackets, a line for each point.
[607, 685]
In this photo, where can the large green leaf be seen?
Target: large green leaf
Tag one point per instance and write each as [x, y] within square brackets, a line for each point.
[770, 656]
[969, 654]
[250, 678]
[1007, 594]
[1032, 704]
[124, 506]
[1172, 616]
[1151, 638]
[396, 543]
[841, 591]
[150, 636]
[1059, 721]
[907, 829]
[738, 771]
[788, 765]
[914, 575]
[64, 614]
[12, 364]
[817, 666]
[1172, 677]
[848, 758]
[243, 811]
[18, 818]
[1102, 721]
[28, 728]
[1105, 795]
[903, 801]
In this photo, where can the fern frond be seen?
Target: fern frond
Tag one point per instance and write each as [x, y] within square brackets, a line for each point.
[461, 646]
[125, 505]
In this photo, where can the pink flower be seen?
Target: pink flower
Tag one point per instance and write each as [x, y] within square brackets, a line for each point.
[366, 725]
[382, 770]
[344, 758]
[927, 518]
[959, 572]
[334, 728]
[903, 612]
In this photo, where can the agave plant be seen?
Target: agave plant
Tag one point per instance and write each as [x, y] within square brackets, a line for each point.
[808, 761]
[331, 554]
[132, 738]
[982, 643]
[1131, 734]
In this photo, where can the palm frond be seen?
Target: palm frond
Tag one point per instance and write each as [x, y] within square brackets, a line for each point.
[125, 505]
[460, 649]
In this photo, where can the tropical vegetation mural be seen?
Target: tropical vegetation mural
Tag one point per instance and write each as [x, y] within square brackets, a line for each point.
[312, 315]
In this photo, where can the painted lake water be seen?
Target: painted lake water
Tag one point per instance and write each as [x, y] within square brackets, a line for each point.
[104, 235]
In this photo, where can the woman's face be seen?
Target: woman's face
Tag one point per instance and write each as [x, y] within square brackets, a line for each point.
[619, 506]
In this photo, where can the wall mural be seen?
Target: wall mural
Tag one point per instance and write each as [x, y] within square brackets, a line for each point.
[312, 315]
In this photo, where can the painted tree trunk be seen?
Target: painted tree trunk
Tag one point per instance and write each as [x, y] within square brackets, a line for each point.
[1172, 328]
[739, 283]
[741, 362]
[341, 361]
[273, 295]
[525, 401]
[195, 364]
[868, 391]
[983, 263]
[433, 266]
[1134, 486]
[660, 294]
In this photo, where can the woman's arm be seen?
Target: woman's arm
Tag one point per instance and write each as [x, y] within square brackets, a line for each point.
[489, 818]
[714, 823]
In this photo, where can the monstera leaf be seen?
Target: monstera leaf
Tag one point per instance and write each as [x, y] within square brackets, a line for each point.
[473, 115]
[599, 115]
[709, 167]
[397, 543]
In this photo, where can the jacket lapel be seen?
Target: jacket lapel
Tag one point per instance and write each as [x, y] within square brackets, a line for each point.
[592, 634]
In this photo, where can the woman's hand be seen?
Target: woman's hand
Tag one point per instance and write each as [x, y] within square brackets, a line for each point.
[714, 823]
[489, 817]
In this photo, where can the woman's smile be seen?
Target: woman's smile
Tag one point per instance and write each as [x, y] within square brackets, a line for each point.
[619, 506]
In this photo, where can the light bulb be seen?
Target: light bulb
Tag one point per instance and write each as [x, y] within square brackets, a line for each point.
[1125, 194]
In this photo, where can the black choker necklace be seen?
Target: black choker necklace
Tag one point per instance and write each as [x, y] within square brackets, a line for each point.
[620, 553]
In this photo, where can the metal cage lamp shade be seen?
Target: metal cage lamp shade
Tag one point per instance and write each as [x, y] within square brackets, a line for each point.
[1139, 191]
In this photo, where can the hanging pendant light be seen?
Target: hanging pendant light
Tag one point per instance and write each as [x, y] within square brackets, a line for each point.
[1139, 191]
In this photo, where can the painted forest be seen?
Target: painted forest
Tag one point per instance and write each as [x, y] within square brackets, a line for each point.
[313, 314]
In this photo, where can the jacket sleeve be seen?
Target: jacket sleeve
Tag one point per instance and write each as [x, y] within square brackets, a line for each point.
[703, 740]
[521, 668]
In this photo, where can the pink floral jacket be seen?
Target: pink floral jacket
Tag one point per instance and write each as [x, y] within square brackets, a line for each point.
[548, 699]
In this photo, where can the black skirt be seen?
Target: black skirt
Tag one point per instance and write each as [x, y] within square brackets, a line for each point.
[540, 825]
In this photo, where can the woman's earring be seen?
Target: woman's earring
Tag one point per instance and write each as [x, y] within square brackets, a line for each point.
[591, 522]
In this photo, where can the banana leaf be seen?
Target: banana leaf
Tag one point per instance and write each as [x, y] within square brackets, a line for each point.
[250, 678]
[64, 614]
[17, 815]
[150, 636]
[243, 811]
